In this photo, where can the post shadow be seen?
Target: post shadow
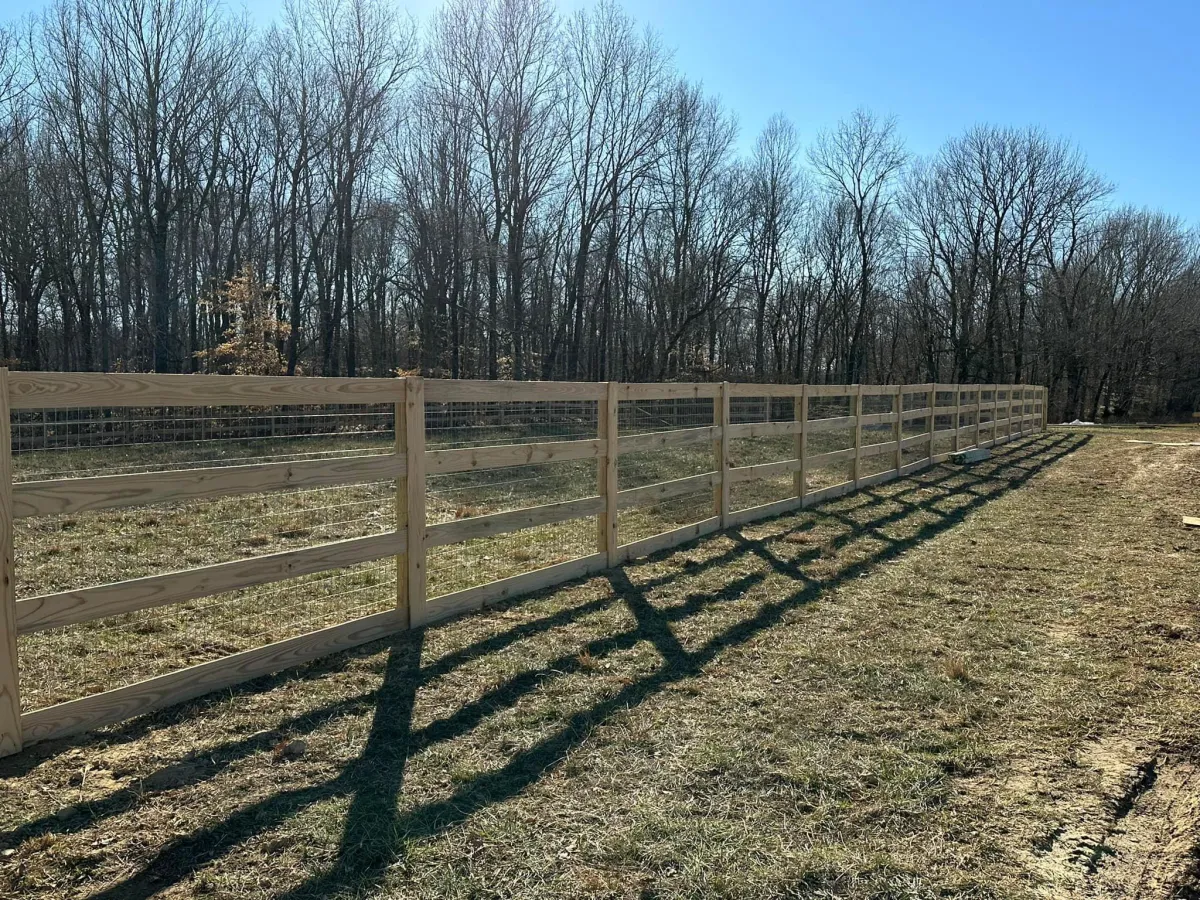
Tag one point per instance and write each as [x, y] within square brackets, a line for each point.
[375, 831]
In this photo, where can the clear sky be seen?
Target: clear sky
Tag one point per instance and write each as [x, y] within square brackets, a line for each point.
[1119, 77]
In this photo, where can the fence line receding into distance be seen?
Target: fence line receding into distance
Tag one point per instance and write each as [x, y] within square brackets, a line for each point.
[318, 514]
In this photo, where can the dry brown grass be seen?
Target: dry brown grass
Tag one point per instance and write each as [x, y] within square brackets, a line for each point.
[744, 717]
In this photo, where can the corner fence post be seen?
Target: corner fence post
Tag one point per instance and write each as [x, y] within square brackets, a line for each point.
[401, 427]
[10, 685]
[608, 428]
[414, 442]
[1045, 407]
[800, 483]
[721, 448]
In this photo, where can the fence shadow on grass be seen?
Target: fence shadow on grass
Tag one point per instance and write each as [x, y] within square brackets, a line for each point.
[375, 830]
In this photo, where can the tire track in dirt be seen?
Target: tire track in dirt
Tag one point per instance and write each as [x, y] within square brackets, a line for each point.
[1140, 839]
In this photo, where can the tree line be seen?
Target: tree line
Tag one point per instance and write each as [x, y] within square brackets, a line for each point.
[505, 191]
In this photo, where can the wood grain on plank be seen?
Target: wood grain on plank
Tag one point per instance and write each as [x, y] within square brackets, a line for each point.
[764, 429]
[56, 390]
[665, 490]
[669, 539]
[185, 684]
[493, 592]
[442, 462]
[85, 604]
[74, 495]
[448, 390]
[514, 520]
[661, 440]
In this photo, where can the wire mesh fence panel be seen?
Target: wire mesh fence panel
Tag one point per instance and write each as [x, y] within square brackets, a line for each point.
[673, 414]
[463, 424]
[457, 567]
[640, 522]
[464, 495]
[821, 477]
[60, 453]
[77, 443]
[62, 664]
[638, 468]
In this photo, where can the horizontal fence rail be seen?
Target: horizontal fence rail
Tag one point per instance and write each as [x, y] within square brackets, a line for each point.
[745, 452]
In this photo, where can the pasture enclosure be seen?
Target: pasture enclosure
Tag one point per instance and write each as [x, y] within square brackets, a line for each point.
[165, 536]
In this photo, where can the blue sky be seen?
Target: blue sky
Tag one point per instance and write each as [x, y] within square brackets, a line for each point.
[1118, 78]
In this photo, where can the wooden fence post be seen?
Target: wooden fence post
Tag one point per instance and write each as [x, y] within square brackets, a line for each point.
[414, 443]
[10, 685]
[800, 407]
[1045, 407]
[931, 400]
[858, 413]
[898, 432]
[978, 415]
[607, 538]
[721, 446]
[401, 427]
[957, 415]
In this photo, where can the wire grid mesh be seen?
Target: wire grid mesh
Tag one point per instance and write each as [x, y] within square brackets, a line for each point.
[830, 407]
[69, 552]
[65, 663]
[465, 495]
[643, 467]
[490, 423]
[875, 404]
[456, 567]
[74, 443]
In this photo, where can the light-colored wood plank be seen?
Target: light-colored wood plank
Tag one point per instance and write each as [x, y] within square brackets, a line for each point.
[763, 429]
[495, 591]
[765, 511]
[878, 390]
[609, 424]
[828, 459]
[668, 539]
[512, 520]
[837, 423]
[57, 390]
[666, 490]
[119, 704]
[921, 413]
[831, 390]
[10, 682]
[83, 605]
[75, 495]
[829, 493]
[869, 450]
[747, 389]
[469, 459]
[661, 440]
[914, 440]
[439, 390]
[738, 474]
[887, 418]
[414, 558]
[1191, 522]
[679, 391]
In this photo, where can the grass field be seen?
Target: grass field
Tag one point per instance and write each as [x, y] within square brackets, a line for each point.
[976, 682]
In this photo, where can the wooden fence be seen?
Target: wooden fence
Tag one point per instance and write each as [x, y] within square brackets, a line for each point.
[959, 416]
